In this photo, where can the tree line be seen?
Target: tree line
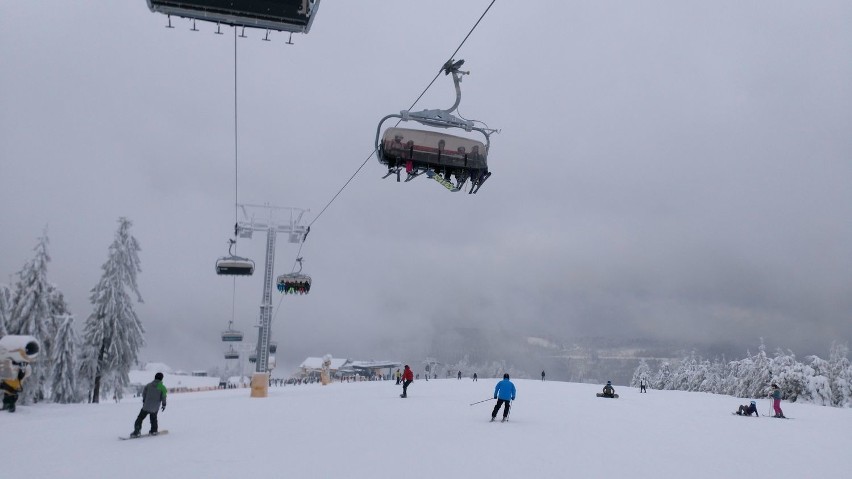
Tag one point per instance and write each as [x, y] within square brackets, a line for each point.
[814, 380]
[72, 368]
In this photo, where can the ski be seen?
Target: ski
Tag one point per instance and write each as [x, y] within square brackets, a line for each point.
[160, 433]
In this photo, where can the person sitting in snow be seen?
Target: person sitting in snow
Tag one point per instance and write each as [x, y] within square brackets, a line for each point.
[608, 390]
[748, 410]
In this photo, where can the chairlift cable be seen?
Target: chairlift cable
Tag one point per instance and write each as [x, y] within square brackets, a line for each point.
[412, 106]
[236, 148]
[236, 183]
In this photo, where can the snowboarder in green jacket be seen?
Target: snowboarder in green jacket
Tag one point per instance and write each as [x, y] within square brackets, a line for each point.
[153, 395]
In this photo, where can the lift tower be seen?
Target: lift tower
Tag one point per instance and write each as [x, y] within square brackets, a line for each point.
[272, 220]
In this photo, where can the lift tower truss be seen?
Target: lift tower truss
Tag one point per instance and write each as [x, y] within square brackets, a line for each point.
[272, 220]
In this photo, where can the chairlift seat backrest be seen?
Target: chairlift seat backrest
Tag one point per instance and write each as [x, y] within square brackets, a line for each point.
[432, 148]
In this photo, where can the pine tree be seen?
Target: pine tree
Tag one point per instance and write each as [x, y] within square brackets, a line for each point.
[664, 377]
[64, 379]
[840, 375]
[643, 371]
[113, 333]
[30, 315]
[5, 308]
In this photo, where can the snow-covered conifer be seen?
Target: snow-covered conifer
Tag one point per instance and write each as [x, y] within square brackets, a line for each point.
[113, 333]
[664, 376]
[840, 375]
[30, 314]
[5, 307]
[64, 380]
[642, 371]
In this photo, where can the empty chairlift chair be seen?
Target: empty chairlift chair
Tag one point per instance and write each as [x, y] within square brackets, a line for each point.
[233, 265]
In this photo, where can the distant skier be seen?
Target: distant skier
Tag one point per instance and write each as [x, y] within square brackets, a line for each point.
[459, 375]
[407, 378]
[542, 375]
[474, 376]
[748, 410]
[153, 395]
[608, 391]
[398, 376]
[643, 385]
[504, 393]
[776, 401]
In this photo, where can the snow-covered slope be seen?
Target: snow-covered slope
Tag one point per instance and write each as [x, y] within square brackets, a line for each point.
[364, 430]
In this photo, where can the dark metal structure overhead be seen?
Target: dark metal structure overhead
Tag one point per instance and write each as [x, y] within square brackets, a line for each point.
[282, 15]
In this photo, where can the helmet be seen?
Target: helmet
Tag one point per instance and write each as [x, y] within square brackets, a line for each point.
[753, 402]
[506, 376]
[609, 382]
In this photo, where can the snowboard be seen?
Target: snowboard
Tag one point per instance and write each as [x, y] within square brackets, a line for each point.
[160, 433]
[743, 415]
[601, 395]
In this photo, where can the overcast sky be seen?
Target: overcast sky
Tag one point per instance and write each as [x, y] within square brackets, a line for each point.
[667, 170]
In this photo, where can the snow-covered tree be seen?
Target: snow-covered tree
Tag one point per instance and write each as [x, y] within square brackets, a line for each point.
[791, 376]
[840, 375]
[818, 386]
[113, 333]
[664, 376]
[5, 307]
[30, 314]
[64, 380]
[643, 371]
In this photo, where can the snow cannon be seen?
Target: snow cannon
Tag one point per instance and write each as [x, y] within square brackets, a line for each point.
[20, 349]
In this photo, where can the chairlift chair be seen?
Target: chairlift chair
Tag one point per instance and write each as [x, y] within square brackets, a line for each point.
[294, 283]
[233, 265]
[280, 15]
[439, 155]
[232, 354]
[232, 336]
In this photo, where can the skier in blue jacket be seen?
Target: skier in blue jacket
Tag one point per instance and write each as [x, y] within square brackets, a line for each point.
[504, 392]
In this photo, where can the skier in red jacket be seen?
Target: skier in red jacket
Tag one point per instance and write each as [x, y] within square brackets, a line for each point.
[407, 378]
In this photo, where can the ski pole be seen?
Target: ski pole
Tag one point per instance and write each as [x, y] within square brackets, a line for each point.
[477, 402]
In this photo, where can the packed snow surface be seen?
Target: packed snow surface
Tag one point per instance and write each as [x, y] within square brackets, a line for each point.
[365, 430]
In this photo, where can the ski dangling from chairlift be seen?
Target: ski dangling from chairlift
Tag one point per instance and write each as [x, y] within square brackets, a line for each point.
[295, 283]
[439, 155]
[233, 265]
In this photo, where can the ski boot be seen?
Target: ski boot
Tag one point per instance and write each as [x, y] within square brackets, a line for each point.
[504, 419]
[135, 434]
[152, 433]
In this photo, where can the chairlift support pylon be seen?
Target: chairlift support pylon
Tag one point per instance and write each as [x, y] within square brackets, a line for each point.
[269, 219]
[438, 155]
